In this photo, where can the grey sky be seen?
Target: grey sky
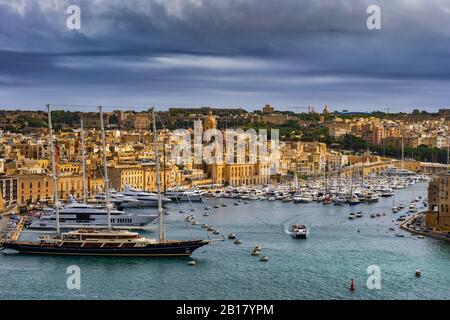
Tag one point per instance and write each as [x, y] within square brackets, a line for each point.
[226, 53]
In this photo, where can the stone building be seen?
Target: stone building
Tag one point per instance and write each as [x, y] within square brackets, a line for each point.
[438, 216]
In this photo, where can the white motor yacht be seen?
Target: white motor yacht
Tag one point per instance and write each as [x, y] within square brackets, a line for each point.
[78, 215]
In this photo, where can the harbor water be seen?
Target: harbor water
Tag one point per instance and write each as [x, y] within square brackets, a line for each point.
[320, 267]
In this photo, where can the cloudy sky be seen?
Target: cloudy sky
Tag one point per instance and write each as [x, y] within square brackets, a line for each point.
[226, 53]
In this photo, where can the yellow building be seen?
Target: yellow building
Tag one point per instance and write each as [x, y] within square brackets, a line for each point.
[238, 174]
[142, 177]
[35, 188]
[2, 202]
[210, 122]
[438, 216]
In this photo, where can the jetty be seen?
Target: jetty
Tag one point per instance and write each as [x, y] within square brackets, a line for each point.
[10, 228]
[407, 226]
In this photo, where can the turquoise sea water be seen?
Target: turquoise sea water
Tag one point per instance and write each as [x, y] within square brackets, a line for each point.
[317, 268]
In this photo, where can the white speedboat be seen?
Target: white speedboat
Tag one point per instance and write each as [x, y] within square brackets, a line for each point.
[387, 192]
[412, 207]
[299, 231]
[306, 198]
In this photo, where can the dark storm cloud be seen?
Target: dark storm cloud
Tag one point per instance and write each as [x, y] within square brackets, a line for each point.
[227, 52]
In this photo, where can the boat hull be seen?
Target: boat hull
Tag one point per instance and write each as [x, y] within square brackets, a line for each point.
[169, 249]
[298, 235]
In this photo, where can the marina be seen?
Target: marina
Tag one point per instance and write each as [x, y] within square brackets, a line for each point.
[224, 268]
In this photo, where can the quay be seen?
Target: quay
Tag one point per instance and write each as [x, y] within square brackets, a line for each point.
[406, 225]
[10, 229]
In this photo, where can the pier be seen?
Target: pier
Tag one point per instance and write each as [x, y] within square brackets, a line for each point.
[406, 225]
[10, 230]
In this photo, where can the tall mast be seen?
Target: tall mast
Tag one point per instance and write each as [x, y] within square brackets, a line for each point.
[351, 185]
[446, 125]
[403, 147]
[105, 168]
[55, 177]
[158, 181]
[84, 160]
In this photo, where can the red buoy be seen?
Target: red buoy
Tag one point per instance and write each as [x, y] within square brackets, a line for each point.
[352, 285]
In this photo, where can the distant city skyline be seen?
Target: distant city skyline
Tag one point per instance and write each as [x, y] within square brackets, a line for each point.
[228, 53]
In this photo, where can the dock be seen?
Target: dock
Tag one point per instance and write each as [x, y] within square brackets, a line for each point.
[432, 234]
[10, 230]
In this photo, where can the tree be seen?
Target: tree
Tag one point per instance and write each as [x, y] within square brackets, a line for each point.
[354, 143]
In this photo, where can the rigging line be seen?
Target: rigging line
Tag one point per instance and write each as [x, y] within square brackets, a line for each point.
[185, 219]
[208, 209]
[195, 211]
[179, 204]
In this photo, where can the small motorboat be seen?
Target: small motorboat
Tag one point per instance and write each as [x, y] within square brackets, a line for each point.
[299, 231]
[232, 236]
[255, 252]
[352, 216]
[191, 263]
[359, 214]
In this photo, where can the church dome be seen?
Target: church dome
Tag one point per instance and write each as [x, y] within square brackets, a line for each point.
[210, 122]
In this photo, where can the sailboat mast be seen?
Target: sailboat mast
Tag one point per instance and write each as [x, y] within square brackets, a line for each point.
[83, 160]
[105, 168]
[158, 181]
[403, 148]
[55, 177]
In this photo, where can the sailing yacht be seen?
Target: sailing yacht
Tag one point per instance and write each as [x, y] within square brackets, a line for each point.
[107, 242]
